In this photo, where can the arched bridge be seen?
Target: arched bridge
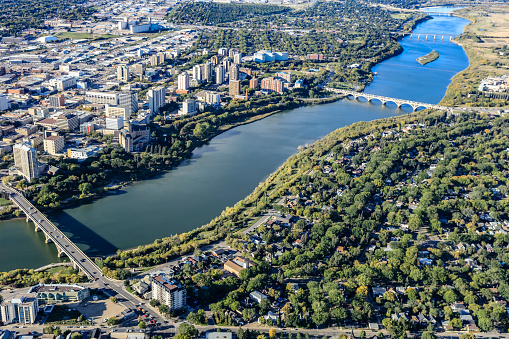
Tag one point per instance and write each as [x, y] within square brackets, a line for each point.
[53, 235]
[399, 102]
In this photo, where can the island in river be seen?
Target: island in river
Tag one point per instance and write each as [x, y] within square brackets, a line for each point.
[430, 57]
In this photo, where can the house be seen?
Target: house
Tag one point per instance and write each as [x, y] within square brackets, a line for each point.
[378, 291]
[258, 296]
[236, 265]
[141, 287]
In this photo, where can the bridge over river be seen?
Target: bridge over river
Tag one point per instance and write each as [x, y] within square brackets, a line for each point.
[399, 102]
[64, 245]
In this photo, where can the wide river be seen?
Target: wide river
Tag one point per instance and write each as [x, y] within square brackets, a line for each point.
[229, 167]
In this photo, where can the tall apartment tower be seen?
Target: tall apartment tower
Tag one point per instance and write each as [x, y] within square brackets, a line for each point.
[220, 74]
[234, 72]
[207, 71]
[156, 99]
[197, 73]
[237, 58]
[183, 81]
[25, 159]
[123, 73]
[226, 63]
[234, 88]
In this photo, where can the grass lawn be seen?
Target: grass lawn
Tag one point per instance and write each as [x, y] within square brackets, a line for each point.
[5, 202]
[63, 315]
[60, 269]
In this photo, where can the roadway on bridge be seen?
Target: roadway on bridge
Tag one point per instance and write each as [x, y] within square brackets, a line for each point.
[76, 255]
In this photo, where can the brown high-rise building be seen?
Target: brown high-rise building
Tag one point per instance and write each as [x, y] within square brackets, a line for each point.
[253, 83]
[234, 87]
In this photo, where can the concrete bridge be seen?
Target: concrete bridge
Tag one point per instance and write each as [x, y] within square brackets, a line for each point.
[64, 246]
[428, 36]
[399, 102]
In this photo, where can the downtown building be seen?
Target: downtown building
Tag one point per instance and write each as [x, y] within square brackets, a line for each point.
[25, 160]
[156, 99]
[169, 292]
[114, 98]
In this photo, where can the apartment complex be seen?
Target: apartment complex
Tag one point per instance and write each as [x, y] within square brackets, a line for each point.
[168, 292]
[25, 160]
[20, 308]
[54, 144]
[156, 99]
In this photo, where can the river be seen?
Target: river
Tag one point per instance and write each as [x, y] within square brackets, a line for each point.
[231, 165]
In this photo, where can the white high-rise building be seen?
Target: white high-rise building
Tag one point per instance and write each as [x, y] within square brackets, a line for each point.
[169, 292]
[197, 73]
[222, 52]
[237, 58]
[25, 159]
[227, 63]
[219, 74]
[183, 81]
[20, 309]
[156, 99]
[188, 107]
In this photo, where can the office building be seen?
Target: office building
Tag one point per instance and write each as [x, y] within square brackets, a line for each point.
[234, 88]
[67, 122]
[39, 112]
[183, 81]
[53, 144]
[114, 98]
[58, 293]
[129, 99]
[87, 127]
[4, 103]
[115, 123]
[189, 107]
[168, 292]
[115, 111]
[57, 101]
[63, 82]
[234, 72]
[25, 160]
[156, 99]
[20, 309]
[123, 73]
[219, 74]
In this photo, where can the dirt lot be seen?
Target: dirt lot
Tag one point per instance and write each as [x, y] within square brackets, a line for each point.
[98, 310]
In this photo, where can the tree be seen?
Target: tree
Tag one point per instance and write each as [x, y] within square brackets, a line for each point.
[187, 330]
[112, 321]
[85, 188]
[76, 335]
[164, 309]
[450, 296]
[240, 333]
[428, 335]
[142, 325]
[456, 323]
[153, 303]
[467, 336]
[113, 300]
[272, 333]
[363, 334]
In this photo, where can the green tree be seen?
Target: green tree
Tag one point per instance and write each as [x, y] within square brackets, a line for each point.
[112, 321]
[142, 325]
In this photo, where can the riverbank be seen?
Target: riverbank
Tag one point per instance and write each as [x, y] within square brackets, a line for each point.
[481, 38]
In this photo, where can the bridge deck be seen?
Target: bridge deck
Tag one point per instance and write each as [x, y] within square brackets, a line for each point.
[52, 233]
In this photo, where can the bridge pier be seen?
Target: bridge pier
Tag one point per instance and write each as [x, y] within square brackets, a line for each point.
[61, 252]
[48, 239]
[426, 38]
